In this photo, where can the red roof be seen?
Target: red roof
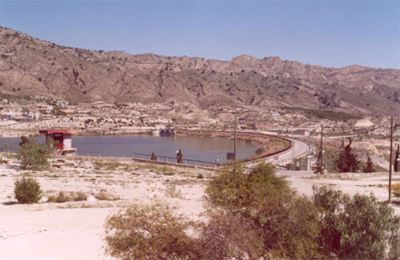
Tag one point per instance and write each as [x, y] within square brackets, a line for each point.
[58, 131]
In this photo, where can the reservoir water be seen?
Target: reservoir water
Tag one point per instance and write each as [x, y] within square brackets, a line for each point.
[197, 148]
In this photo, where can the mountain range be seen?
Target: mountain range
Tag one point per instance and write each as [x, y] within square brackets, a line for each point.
[38, 68]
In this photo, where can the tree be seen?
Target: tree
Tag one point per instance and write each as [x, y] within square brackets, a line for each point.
[319, 166]
[34, 155]
[347, 160]
[370, 166]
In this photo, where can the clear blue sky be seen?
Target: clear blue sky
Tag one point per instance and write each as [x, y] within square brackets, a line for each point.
[330, 33]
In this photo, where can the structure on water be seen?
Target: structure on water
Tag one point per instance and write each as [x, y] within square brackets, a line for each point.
[62, 139]
[167, 132]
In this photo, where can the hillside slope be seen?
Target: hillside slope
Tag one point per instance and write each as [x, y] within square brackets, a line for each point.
[29, 66]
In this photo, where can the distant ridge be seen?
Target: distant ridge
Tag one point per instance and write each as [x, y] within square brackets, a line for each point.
[29, 66]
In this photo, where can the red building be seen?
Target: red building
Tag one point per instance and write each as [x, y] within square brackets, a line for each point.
[63, 140]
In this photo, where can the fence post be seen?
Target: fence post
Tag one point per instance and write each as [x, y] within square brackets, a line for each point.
[99, 154]
[87, 154]
[140, 156]
[111, 154]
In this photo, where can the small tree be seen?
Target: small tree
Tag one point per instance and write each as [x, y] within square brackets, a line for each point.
[319, 167]
[153, 156]
[27, 190]
[347, 160]
[34, 155]
[370, 166]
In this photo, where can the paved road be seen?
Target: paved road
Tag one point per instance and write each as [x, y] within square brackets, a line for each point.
[300, 148]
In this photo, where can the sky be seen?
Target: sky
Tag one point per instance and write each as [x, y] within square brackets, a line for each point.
[330, 33]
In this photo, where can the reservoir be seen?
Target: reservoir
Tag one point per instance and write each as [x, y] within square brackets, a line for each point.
[193, 147]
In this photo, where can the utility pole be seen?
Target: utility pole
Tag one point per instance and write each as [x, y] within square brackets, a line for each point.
[390, 160]
[234, 145]
[294, 155]
[322, 154]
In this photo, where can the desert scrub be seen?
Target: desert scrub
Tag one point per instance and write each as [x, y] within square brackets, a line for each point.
[67, 196]
[104, 195]
[27, 190]
[172, 192]
[80, 196]
[145, 232]
[107, 165]
[396, 189]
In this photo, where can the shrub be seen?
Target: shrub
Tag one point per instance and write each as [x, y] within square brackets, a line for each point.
[226, 236]
[104, 195]
[145, 232]
[369, 167]
[27, 190]
[63, 197]
[257, 216]
[234, 190]
[396, 189]
[357, 228]
[260, 151]
[51, 198]
[200, 176]
[172, 192]
[80, 196]
[67, 196]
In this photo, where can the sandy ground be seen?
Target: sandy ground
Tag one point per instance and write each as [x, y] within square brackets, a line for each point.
[74, 230]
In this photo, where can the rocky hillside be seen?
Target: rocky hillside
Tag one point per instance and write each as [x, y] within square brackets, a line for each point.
[33, 67]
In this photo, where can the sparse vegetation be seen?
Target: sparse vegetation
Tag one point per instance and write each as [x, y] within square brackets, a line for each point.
[257, 216]
[104, 195]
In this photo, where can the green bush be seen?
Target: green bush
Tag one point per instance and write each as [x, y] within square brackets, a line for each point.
[27, 190]
[236, 191]
[358, 227]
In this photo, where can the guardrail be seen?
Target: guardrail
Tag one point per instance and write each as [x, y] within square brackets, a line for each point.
[148, 157]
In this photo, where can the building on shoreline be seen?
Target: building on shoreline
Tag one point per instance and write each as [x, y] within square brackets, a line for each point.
[62, 139]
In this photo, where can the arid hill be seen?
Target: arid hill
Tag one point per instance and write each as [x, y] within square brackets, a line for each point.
[33, 67]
